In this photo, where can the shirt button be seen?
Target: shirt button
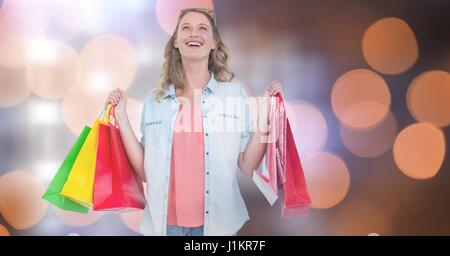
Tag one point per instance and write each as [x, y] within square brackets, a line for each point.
[207, 173]
[207, 212]
[206, 134]
[203, 102]
[207, 153]
[207, 191]
[204, 116]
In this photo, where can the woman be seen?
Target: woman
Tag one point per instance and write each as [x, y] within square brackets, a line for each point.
[194, 140]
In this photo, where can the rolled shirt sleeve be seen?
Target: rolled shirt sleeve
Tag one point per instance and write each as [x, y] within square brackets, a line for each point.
[143, 121]
[249, 121]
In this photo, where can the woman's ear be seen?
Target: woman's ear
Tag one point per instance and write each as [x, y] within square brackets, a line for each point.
[175, 44]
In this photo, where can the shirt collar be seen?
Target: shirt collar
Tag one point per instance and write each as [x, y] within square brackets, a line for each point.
[211, 86]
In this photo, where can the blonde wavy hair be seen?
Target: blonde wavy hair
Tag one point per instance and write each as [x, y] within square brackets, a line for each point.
[172, 72]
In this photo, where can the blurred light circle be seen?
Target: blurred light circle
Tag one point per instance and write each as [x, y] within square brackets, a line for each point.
[373, 234]
[17, 29]
[419, 150]
[26, 5]
[70, 18]
[360, 99]
[55, 72]
[308, 126]
[44, 170]
[75, 219]
[73, 234]
[74, 16]
[390, 46]
[109, 62]
[371, 142]
[167, 11]
[80, 109]
[327, 179]
[428, 98]
[361, 217]
[4, 231]
[13, 86]
[20, 199]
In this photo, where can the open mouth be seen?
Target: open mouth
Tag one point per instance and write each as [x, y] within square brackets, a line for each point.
[194, 44]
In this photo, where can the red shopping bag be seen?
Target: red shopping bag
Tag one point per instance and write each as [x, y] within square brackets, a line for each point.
[281, 165]
[116, 185]
[296, 197]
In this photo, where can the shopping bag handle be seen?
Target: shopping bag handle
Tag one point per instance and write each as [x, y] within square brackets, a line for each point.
[112, 117]
[105, 115]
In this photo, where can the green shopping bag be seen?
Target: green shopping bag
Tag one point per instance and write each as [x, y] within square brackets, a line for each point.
[52, 195]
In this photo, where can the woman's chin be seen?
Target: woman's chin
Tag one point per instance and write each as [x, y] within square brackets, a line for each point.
[194, 56]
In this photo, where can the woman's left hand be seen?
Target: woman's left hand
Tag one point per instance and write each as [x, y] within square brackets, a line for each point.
[273, 88]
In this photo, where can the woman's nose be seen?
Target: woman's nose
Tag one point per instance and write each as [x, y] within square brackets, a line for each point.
[193, 34]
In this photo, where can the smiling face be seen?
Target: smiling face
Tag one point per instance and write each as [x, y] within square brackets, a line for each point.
[195, 37]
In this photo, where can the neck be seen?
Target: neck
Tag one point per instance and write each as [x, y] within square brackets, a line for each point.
[196, 74]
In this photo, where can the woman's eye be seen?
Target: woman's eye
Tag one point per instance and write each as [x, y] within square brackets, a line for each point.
[204, 28]
[185, 27]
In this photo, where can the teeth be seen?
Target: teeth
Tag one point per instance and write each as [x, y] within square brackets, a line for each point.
[194, 44]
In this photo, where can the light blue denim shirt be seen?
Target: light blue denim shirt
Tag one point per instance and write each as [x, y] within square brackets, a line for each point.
[227, 123]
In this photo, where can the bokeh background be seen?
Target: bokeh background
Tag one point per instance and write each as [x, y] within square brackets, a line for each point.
[367, 85]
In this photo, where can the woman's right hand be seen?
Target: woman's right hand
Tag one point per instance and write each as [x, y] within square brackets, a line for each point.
[118, 99]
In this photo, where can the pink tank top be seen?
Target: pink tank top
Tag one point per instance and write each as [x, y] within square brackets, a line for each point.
[186, 188]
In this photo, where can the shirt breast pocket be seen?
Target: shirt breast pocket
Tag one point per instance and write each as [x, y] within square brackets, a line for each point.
[153, 130]
[232, 130]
